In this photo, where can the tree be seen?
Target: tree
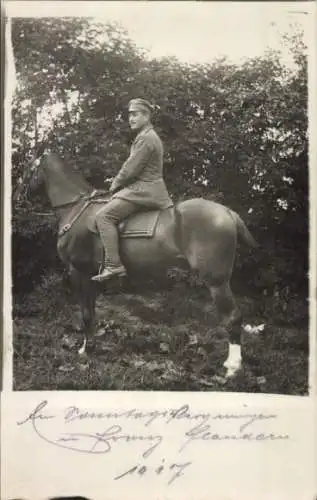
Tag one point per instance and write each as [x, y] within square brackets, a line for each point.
[234, 132]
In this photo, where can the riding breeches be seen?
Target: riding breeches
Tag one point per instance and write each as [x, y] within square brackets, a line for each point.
[107, 220]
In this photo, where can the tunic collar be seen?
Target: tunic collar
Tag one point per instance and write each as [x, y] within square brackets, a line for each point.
[144, 131]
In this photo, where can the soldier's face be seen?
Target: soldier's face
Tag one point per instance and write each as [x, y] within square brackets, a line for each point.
[138, 118]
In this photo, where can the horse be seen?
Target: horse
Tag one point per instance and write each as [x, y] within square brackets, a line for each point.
[199, 232]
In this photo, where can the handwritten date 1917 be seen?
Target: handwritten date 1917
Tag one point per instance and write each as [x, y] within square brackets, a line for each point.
[174, 470]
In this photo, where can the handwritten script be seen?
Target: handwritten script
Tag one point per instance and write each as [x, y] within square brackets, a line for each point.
[102, 432]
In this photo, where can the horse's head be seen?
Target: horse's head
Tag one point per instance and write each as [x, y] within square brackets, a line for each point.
[63, 184]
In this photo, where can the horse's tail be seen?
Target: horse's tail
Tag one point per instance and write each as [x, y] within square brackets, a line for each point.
[243, 232]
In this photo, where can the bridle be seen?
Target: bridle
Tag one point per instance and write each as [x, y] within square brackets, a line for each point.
[35, 165]
[93, 196]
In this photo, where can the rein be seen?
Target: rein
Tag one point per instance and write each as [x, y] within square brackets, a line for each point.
[88, 200]
[75, 200]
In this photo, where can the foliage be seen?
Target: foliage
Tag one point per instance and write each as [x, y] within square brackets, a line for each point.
[154, 339]
[237, 133]
[29, 260]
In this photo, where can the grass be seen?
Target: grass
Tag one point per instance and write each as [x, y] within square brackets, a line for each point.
[155, 337]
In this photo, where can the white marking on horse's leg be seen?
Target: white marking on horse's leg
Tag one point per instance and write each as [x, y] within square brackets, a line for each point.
[82, 350]
[234, 360]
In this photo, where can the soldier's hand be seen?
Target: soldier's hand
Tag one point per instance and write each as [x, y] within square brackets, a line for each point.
[113, 188]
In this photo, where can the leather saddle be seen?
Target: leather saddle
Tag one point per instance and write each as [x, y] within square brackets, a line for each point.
[139, 225]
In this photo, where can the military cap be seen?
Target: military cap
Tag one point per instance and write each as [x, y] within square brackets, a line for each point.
[142, 104]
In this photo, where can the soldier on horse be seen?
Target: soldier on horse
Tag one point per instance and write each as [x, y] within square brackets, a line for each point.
[196, 232]
[139, 185]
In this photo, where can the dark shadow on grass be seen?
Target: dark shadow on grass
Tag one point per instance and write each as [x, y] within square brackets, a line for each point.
[148, 340]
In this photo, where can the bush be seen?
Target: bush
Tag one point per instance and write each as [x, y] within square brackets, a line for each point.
[234, 132]
[33, 249]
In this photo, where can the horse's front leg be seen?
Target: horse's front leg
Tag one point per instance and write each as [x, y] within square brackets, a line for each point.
[231, 319]
[87, 304]
[85, 291]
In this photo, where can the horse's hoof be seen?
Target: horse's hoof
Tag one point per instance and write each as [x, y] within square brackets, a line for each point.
[231, 372]
[227, 373]
[88, 346]
[83, 364]
[83, 356]
[82, 351]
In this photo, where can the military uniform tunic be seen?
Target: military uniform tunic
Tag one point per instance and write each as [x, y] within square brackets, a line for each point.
[140, 180]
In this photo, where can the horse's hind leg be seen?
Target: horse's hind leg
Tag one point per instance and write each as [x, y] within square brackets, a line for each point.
[230, 318]
[214, 262]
